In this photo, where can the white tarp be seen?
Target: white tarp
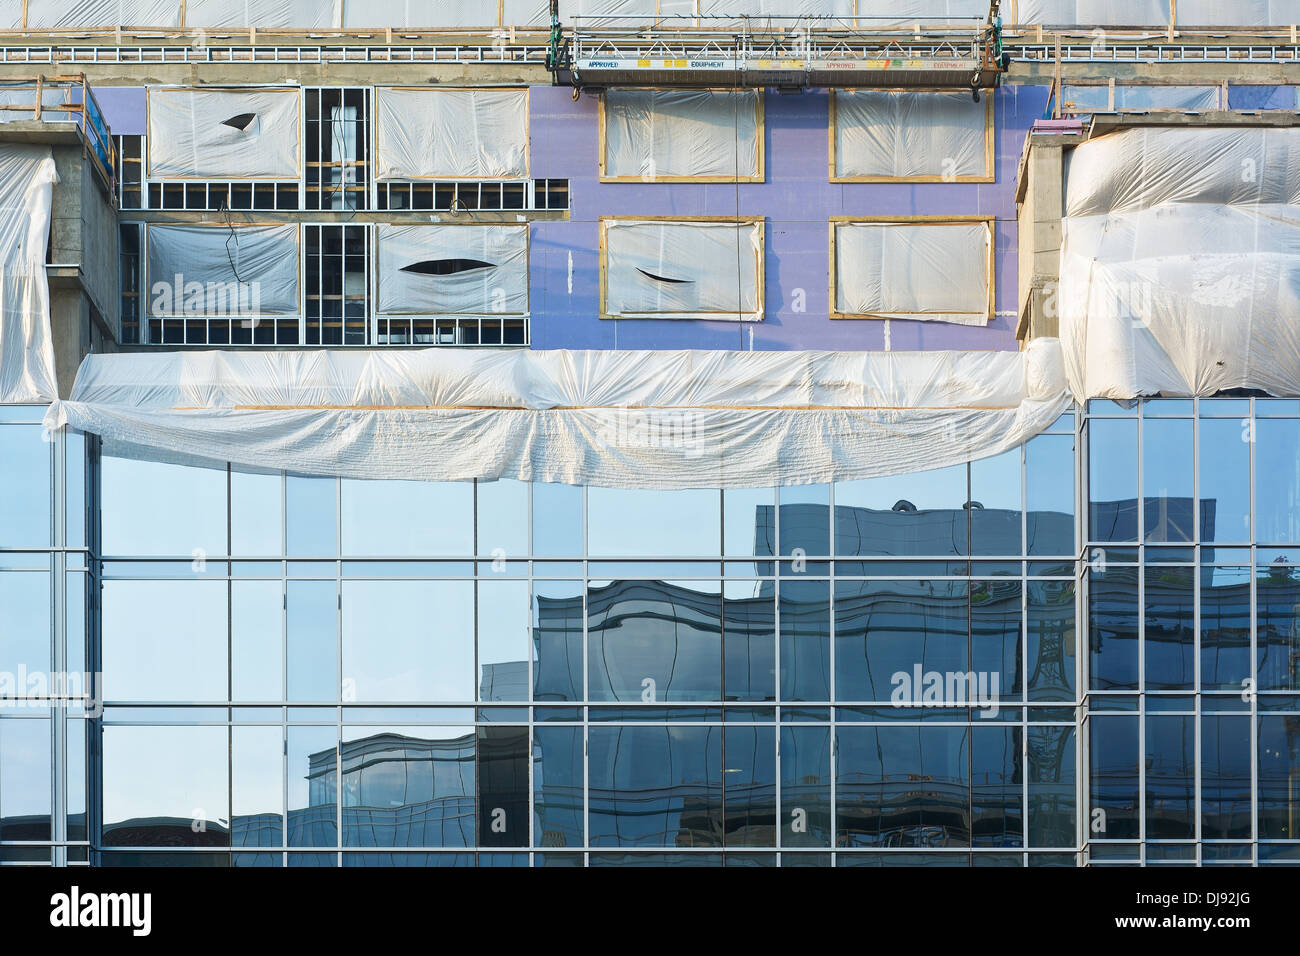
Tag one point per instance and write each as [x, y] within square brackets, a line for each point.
[935, 272]
[902, 134]
[450, 133]
[1180, 263]
[1101, 13]
[220, 270]
[45, 14]
[270, 14]
[417, 14]
[683, 269]
[224, 134]
[465, 269]
[667, 134]
[660, 419]
[27, 178]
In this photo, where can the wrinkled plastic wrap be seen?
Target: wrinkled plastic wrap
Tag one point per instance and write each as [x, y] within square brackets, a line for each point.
[444, 269]
[901, 134]
[209, 134]
[934, 272]
[45, 14]
[450, 134]
[417, 14]
[216, 270]
[1180, 263]
[682, 269]
[668, 134]
[27, 178]
[269, 14]
[664, 419]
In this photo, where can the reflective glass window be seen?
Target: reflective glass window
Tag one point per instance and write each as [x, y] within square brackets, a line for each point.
[165, 640]
[654, 641]
[408, 641]
[26, 487]
[403, 518]
[166, 786]
[654, 786]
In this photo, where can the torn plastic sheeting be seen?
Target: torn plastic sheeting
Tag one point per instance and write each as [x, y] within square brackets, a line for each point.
[906, 134]
[270, 14]
[47, 14]
[683, 269]
[224, 134]
[436, 270]
[1180, 263]
[937, 272]
[651, 134]
[451, 134]
[1094, 13]
[682, 419]
[417, 14]
[27, 178]
[220, 270]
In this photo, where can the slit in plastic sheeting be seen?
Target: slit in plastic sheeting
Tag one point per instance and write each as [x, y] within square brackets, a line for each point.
[446, 267]
[651, 275]
[240, 122]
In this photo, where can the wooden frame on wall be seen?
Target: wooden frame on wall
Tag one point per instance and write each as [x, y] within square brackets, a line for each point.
[955, 220]
[528, 132]
[528, 252]
[148, 119]
[147, 312]
[760, 267]
[760, 150]
[990, 171]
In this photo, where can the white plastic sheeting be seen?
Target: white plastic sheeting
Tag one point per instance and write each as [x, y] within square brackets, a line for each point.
[436, 270]
[778, 8]
[420, 13]
[665, 419]
[45, 14]
[682, 269]
[673, 134]
[450, 133]
[886, 134]
[623, 13]
[27, 178]
[1128, 13]
[935, 272]
[219, 270]
[1180, 263]
[270, 14]
[1238, 13]
[209, 134]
